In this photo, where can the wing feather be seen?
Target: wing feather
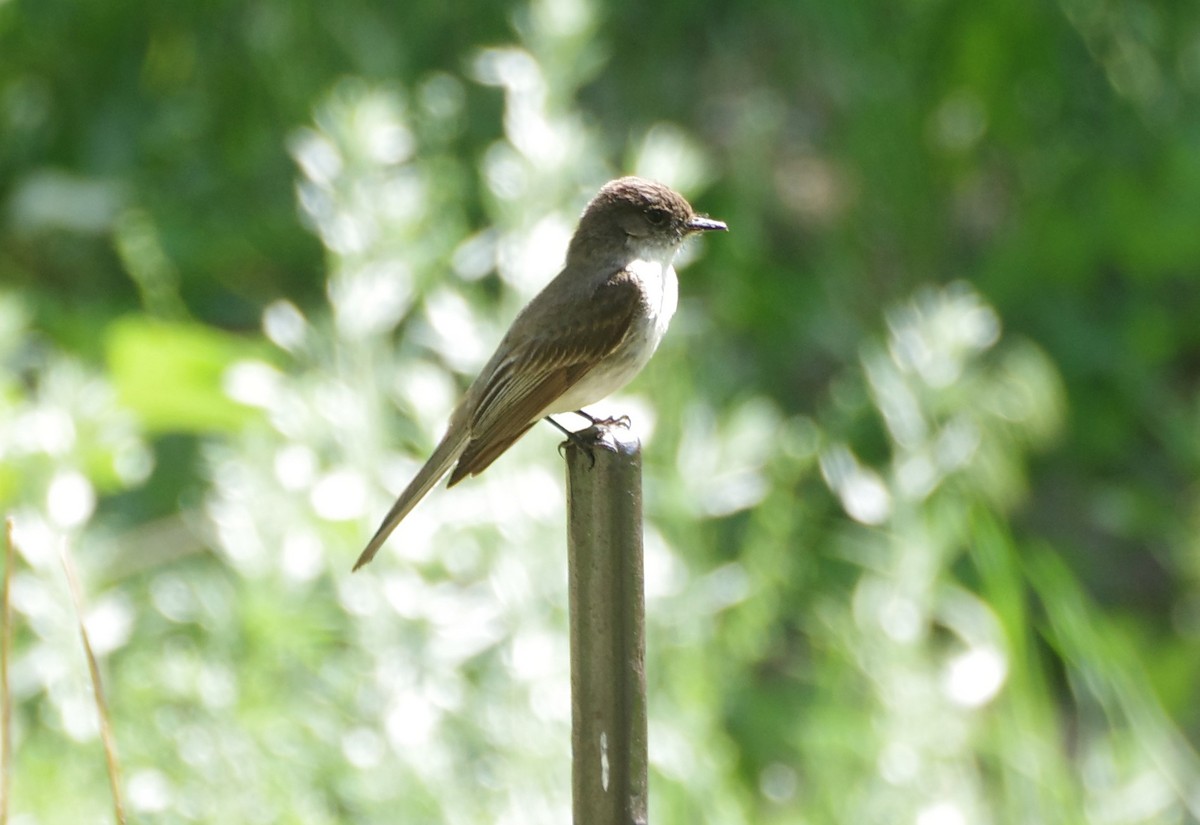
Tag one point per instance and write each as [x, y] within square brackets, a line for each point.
[544, 366]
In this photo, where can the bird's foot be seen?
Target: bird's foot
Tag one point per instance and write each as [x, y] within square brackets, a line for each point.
[576, 438]
[621, 421]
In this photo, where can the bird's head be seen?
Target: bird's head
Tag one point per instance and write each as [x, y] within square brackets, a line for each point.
[638, 215]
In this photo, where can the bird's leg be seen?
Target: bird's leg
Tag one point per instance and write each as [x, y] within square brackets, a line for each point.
[621, 421]
[575, 438]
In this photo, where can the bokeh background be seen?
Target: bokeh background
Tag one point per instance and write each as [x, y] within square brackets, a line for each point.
[921, 448]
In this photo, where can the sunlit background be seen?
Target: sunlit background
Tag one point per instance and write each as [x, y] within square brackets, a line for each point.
[921, 447]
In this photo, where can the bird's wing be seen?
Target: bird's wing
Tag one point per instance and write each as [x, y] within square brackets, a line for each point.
[543, 366]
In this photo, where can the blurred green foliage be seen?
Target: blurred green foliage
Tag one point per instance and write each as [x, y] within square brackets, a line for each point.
[921, 451]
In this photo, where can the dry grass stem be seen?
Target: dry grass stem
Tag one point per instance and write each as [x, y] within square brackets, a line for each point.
[106, 735]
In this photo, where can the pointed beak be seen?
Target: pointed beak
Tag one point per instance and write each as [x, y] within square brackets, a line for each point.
[699, 224]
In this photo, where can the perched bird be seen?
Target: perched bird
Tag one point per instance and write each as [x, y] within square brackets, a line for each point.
[583, 337]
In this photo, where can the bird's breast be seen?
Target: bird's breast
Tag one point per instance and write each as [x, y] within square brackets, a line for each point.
[660, 295]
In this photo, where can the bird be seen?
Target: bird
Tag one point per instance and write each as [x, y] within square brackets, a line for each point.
[589, 331]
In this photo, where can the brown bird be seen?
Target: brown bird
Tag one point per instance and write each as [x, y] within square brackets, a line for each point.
[582, 338]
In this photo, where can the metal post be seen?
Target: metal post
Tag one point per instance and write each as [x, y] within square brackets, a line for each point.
[608, 643]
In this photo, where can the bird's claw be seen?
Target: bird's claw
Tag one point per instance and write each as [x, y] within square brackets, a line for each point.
[582, 443]
[621, 421]
[575, 438]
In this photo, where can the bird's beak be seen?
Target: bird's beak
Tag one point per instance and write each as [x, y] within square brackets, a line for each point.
[699, 224]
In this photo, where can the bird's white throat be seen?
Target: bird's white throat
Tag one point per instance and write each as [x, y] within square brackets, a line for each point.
[654, 268]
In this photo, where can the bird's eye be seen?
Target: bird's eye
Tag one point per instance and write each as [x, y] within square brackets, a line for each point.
[657, 217]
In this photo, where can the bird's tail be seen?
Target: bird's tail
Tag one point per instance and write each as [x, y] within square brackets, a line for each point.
[443, 458]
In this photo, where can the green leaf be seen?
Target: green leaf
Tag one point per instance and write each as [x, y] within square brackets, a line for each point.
[170, 374]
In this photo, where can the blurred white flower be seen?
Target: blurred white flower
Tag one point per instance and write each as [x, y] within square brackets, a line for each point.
[70, 499]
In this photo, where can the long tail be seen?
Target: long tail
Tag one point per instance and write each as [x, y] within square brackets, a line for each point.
[443, 458]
